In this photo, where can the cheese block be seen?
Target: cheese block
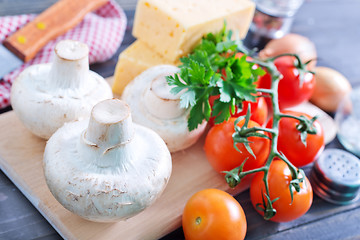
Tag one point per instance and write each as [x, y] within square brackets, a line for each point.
[174, 27]
[132, 61]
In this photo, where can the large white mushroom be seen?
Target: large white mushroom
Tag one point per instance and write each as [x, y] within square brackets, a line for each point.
[108, 168]
[45, 96]
[155, 107]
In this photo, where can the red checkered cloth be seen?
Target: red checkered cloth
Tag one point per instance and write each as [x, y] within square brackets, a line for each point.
[102, 30]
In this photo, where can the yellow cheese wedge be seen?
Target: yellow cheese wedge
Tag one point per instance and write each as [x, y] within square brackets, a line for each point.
[174, 27]
[132, 61]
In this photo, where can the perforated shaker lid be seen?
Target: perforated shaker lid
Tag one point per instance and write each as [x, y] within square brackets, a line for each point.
[335, 176]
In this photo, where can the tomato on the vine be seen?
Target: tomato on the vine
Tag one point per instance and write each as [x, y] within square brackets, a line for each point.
[291, 91]
[279, 178]
[213, 214]
[290, 144]
[220, 151]
[259, 110]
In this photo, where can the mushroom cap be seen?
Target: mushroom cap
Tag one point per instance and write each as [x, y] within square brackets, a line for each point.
[137, 178]
[173, 129]
[43, 111]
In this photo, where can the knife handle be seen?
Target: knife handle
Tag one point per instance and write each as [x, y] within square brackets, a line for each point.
[54, 21]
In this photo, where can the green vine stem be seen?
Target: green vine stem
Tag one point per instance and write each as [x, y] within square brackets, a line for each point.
[305, 126]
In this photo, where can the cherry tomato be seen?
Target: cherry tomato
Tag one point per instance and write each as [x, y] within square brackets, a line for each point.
[259, 110]
[291, 93]
[289, 141]
[212, 214]
[279, 178]
[220, 151]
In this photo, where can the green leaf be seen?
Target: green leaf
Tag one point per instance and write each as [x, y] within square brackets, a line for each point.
[225, 92]
[207, 110]
[221, 111]
[196, 71]
[176, 90]
[207, 46]
[196, 116]
[258, 71]
[187, 99]
[215, 80]
[225, 46]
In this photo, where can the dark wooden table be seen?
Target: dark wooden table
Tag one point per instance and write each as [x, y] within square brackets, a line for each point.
[333, 25]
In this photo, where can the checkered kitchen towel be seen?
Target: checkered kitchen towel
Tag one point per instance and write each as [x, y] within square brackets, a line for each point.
[102, 30]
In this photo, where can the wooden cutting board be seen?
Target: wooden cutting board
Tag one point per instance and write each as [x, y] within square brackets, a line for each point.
[21, 160]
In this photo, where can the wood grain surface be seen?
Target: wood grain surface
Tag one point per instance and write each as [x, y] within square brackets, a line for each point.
[332, 25]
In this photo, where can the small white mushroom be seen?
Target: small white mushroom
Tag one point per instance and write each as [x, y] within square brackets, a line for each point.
[108, 168]
[154, 106]
[45, 96]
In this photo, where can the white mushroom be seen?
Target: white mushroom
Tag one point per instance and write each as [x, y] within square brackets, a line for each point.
[108, 168]
[155, 107]
[45, 96]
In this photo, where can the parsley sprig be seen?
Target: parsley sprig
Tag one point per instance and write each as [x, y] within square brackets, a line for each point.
[214, 69]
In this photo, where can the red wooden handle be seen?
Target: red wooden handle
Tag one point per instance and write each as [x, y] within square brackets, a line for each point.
[53, 22]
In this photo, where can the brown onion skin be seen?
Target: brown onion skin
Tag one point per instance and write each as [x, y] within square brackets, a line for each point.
[331, 87]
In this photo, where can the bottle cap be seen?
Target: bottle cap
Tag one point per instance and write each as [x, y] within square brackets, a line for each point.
[335, 176]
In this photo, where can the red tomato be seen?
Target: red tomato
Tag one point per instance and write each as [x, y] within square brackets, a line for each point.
[289, 141]
[259, 110]
[290, 91]
[212, 214]
[279, 178]
[220, 151]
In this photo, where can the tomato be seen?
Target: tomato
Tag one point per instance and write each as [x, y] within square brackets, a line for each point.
[289, 141]
[291, 93]
[220, 151]
[279, 178]
[259, 110]
[213, 214]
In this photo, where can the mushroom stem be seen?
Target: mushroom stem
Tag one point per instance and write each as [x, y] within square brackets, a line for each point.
[160, 102]
[70, 66]
[110, 125]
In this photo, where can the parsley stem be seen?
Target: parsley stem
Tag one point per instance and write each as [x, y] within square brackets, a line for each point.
[264, 90]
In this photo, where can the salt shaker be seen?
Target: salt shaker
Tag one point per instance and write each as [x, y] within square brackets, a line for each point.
[335, 176]
[272, 19]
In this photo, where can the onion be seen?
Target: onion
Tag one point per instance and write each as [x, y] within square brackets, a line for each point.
[330, 88]
[291, 43]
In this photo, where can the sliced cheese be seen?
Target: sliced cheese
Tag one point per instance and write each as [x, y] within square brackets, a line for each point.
[174, 27]
[132, 61]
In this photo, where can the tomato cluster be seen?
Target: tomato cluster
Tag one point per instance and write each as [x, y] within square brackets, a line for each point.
[207, 214]
[295, 87]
